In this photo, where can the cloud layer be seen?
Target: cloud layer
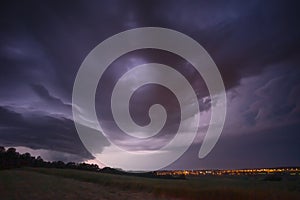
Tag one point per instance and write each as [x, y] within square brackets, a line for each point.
[255, 46]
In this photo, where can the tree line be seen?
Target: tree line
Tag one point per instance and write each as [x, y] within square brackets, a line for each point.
[10, 158]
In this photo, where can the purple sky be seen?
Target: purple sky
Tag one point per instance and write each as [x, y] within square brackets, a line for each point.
[256, 46]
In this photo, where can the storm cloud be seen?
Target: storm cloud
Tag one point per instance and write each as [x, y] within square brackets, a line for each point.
[255, 46]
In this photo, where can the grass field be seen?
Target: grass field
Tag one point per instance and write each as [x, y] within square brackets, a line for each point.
[33, 183]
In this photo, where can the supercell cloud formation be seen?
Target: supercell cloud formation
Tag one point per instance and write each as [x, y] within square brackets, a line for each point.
[255, 46]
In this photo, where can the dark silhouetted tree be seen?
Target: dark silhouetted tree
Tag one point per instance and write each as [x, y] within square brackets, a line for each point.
[10, 158]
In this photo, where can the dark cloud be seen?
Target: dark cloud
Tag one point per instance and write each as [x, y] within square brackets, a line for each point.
[49, 102]
[243, 39]
[266, 148]
[41, 132]
[42, 45]
[43, 93]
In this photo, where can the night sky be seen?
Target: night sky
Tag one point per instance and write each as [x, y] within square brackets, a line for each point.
[255, 44]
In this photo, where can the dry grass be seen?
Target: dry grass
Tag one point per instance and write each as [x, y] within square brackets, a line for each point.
[74, 184]
[27, 185]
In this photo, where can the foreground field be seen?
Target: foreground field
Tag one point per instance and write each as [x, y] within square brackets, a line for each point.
[72, 184]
